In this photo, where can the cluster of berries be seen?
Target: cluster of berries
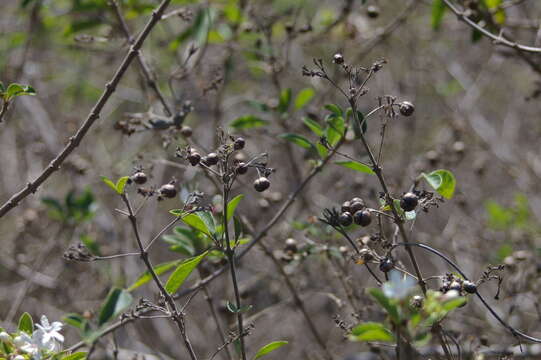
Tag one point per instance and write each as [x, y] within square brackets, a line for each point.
[354, 211]
[452, 282]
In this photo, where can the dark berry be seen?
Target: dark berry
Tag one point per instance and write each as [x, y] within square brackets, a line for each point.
[346, 206]
[409, 201]
[211, 159]
[345, 218]
[469, 287]
[386, 265]
[239, 143]
[186, 131]
[362, 218]
[455, 285]
[356, 206]
[168, 191]
[242, 168]
[194, 158]
[338, 59]
[261, 184]
[372, 11]
[406, 108]
[139, 178]
[291, 245]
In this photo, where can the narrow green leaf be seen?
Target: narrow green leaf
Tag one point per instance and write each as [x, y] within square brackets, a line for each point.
[443, 181]
[375, 335]
[208, 220]
[109, 182]
[197, 223]
[269, 348]
[385, 302]
[357, 166]
[232, 205]
[75, 320]
[438, 11]
[303, 97]
[335, 109]
[453, 303]
[2, 88]
[26, 324]
[182, 272]
[116, 302]
[19, 90]
[121, 184]
[247, 122]
[335, 129]
[75, 356]
[297, 140]
[285, 100]
[314, 126]
[158, 269]
[238, 229]
[366, 326]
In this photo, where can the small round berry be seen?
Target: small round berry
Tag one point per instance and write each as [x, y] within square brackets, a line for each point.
[242, 168]
[345, 218]
[372, 11]
[291, 245]
[469, 287]
[239, 143]
[455, 285]
[338, 59]
[386, 265]
[211, 159]
[406, 108]
[409, 201]
[356, 206]
[417, 301]
[168, 191]
[346, 206]
[194, 158]
[186, 131]
[261, 184]
[362, 218]
[139, 178]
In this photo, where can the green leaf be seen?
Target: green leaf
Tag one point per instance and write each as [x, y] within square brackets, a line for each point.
[335, 109]
[75, 320]
[26, 324]
[121, 184]
[443, 181]
[2, 88]
[117, 301]
[303, 97]
[238, 229]
[18, 90]
[75, 356]
[182, 272]
[386, 303]
[247, 122]
[335, 130]
[90, 244]
[269, 348]
[197, 223]
[371, 331]
[453, 303]
[232, 205]
[297, 140]
[158, 269]
[357, 166]
[285, 100]
[367, 326]
[314, 126]
[109, 182]
[358, 125]
[438, 11]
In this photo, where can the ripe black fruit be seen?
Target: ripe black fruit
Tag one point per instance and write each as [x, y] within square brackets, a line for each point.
[356, 205]
[409, 201]
[241, 168]
[346, 206]
[186, 131]
[168, 191]
[406, 108]
[291, 245]
[469, 287]
[338, 59]
[211, 159]
[386, 265]
[194, 158]
[139, 178]
[239, 143]
[362, 218]
[261, 184]
[372, 11]
[345, 218]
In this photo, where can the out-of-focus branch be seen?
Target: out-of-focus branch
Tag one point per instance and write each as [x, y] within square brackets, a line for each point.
[75, 140]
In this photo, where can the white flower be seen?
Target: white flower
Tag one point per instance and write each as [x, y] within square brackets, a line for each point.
[399, 286]
[19, 357]
[48, 335]
[4, 336]
[28, 344]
